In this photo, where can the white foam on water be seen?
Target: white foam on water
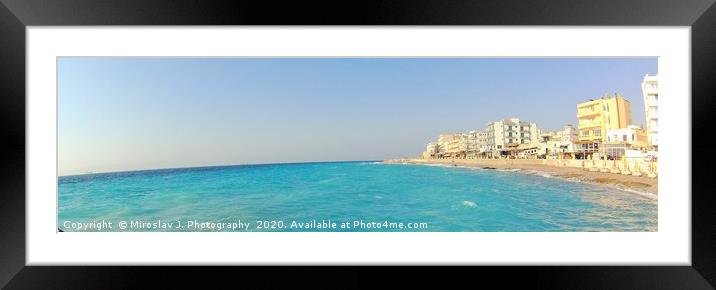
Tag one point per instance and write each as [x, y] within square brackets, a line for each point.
[539, 173]
[543, 174]
[465, 167]
[641, 193]
[647, 194]
[469, 203]
[438, 165]
[445, 165]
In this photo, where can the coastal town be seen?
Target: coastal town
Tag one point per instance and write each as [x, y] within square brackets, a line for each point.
[605, 140]
[488, 144]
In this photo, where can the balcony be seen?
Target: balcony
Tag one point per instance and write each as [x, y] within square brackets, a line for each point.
[591, 138]
[651, 90]
[593, 124]
[585, 113]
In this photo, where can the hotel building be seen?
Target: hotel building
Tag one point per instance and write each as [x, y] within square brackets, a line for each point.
[457, 146]
[509, 133]
[450, 145]
[431, 150]
[596, 117]
[650, 90]
[476, 144]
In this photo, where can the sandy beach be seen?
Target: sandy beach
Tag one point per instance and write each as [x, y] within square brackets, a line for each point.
[638, 184]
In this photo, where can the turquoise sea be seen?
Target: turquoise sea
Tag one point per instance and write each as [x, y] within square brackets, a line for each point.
[345, 196]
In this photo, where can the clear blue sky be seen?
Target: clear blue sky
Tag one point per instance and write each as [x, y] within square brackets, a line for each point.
[139, 113]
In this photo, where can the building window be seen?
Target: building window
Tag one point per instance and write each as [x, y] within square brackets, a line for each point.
[624, 138]
[585, 133]
[597, 133]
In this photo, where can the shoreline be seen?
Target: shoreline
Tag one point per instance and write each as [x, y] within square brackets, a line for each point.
[644, 186]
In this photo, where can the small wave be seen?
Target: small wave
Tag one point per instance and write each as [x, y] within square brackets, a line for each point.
[539, 173]
[638, 192]
[647, 194]
[468, 203]
[447, 165]
[438, 165]
[456, 166]
[466, 167]
[509, 169]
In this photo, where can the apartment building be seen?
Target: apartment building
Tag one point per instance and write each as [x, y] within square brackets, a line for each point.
[650, 91]
[509, 133]
[597, 116]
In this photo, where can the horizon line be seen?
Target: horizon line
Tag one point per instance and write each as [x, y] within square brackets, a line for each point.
[215, 166]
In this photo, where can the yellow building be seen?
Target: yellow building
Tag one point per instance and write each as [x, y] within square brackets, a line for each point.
[452, 145]
[599, 115]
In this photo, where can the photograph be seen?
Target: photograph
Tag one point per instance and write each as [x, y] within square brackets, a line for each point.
[183, 143]
[357, 144]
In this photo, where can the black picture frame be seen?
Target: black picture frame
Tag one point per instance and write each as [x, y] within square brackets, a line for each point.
[16, 15]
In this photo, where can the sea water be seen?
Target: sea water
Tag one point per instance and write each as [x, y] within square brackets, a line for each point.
[345, 196]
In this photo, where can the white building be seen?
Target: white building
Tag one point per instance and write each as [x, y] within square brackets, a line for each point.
[650, 90]
[554, 144]
[443, 141]
[632, 135]
[509, 132]
[476, 144]
[568, 134]
[431, 150]
[619, 141]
